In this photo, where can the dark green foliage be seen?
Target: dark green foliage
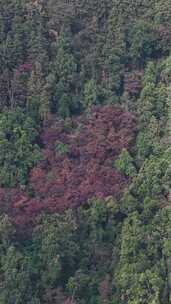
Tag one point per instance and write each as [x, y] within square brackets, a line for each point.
[16, 284]
[90, 94]
[153, 111]
[64, 76]
[136, 269]
[143, 42]
[125, 164]
[60, 58]
[61, 148]
[17, 145]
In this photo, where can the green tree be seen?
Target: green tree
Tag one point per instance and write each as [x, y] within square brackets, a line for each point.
[55, 249]
[125, 164]
[143, 42]
[63, 87]
[90, 94]
[19, 152]
[138, 279]
[16, 285]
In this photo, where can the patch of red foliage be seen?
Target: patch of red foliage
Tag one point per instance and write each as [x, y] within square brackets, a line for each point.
[84, 171]
[25, 67]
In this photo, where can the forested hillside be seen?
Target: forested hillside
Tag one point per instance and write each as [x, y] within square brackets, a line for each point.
[85, 152]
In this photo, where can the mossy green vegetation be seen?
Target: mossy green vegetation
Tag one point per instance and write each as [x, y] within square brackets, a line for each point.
[85, 156]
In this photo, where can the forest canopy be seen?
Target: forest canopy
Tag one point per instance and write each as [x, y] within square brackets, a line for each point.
[85, 156]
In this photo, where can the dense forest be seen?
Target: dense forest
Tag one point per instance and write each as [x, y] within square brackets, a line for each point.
[85, 155]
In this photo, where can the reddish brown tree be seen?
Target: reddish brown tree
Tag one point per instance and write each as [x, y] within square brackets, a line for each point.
[77, 165]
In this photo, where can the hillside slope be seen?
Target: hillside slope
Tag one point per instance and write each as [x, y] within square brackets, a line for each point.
[85, 156]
